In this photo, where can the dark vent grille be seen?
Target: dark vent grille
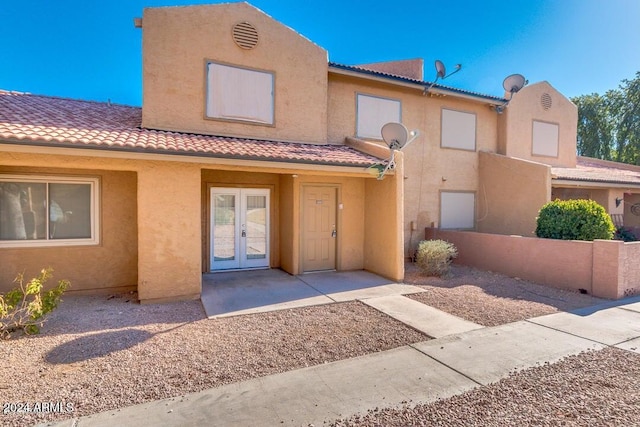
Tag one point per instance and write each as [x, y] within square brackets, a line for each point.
[245, 35]
[546, 101]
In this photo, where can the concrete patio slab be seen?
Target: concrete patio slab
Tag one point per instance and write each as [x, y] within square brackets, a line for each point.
[258, 291]
[355, 285]
[490, 354]
[610, 326]
[247, 292]
[431, 321]
[631, 345]
[302, 397]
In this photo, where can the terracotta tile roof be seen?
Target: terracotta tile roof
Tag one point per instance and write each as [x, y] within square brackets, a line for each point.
[594, 170]
[60, 122]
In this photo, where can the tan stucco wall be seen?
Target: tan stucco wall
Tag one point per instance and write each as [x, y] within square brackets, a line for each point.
[178, 40]
[516, 132]
[289, 216]
[110, 266]
[384, 233]
[219, 178]
[169, 231]
[511, 193]
[428, 168]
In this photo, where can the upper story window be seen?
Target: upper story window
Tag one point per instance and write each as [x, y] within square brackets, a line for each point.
[242, 94]
[545, 139]
[48, 211]
[373, 112]
[458, 130]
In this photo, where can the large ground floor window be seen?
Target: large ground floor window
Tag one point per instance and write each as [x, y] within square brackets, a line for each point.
[48, 210]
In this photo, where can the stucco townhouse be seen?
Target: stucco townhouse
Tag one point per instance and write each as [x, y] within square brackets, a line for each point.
[252, 150]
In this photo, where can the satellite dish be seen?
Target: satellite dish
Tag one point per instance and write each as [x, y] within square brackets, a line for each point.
[441, 71]
[395, 135]
[514, 83]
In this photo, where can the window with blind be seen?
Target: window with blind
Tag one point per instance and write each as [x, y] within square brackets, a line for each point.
[239, 94]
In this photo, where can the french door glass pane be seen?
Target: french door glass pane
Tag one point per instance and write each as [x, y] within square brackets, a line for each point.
[256, 227]
[69, 211]
[224, 226]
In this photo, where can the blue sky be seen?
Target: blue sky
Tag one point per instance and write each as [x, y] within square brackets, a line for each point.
[91, 50]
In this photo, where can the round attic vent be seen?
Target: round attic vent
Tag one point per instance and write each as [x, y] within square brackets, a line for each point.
[245, 35]
[635, 209]
[546, 101]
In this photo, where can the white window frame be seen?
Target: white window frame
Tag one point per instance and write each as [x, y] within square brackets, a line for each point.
[239, 102]
[370, 127]
[463, 220]
[458, 130]
[545, 139]
[50, 179]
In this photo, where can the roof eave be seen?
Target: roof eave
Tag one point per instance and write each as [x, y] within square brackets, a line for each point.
[404, 82]
[592, 183]
[168, 155]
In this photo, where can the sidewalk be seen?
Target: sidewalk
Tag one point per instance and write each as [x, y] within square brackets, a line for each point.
[422, 372]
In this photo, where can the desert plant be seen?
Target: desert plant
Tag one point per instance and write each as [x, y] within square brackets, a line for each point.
[574, 220]
[434, 257]
[25, 308]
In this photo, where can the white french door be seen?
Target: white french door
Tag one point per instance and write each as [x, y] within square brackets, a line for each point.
[239, 228]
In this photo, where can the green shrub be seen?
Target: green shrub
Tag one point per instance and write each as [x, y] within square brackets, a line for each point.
[434, 257]
[24, 308]
[574, 220]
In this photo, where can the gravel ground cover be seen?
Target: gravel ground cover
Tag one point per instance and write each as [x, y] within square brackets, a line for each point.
[596, 388]
[99, 353]
[492, 299]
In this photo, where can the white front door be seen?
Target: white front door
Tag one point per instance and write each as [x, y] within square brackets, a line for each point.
[239, 228]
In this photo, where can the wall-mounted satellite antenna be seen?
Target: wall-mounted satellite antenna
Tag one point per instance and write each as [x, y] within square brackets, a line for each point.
[441, 73]
[512, 84]
[397, 137]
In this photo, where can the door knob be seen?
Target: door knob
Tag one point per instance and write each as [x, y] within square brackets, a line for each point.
[334, 233]
[244, 233]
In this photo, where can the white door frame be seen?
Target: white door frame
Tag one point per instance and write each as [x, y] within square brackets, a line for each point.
[240, 259]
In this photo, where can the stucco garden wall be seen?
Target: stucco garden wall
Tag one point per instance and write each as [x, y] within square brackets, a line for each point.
[604, 268]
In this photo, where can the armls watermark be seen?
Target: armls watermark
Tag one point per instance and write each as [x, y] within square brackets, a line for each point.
[37, 407]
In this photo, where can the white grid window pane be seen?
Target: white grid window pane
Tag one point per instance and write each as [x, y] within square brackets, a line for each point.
[457, 210]
[458, 130]
[545, 139]
[373, 113]
[239, 94]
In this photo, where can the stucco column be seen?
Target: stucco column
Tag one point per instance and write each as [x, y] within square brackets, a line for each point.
[169, 232]
[606, 269]
[384, 226]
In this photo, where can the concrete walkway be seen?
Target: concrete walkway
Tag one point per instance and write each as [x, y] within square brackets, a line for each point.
[423, 372]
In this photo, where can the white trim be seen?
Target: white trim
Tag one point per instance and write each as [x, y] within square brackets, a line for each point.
[240, 260]
[60, 179]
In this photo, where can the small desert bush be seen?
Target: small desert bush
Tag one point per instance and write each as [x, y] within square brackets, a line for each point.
[574, 220]
[25, 308]
[434, 257]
